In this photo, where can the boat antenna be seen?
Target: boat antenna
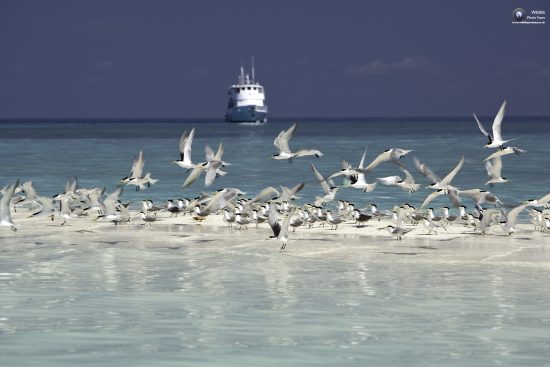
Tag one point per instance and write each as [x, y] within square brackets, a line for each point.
[242, 73]
[253, 77]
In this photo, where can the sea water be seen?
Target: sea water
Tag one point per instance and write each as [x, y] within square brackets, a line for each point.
[147, 303]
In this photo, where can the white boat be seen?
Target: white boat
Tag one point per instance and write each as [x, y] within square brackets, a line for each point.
[246, 100]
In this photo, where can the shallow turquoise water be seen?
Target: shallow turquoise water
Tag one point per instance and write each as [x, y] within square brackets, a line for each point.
[100, 154]
[198, 304]
[77, 303]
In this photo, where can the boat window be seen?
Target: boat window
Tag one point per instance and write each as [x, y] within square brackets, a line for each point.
[248, 88]
[254, 88]
[236, 90]
[260, 89]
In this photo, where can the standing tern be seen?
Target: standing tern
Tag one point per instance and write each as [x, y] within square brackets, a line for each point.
[397, 231]
[334, 220]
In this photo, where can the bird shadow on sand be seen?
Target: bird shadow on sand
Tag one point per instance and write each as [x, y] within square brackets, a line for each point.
[399, 253]
[111, 243]
[427, 247]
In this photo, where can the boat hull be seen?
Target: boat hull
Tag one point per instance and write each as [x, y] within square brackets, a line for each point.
[250, 113]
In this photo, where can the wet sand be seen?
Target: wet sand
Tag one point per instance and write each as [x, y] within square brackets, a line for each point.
[455, 245]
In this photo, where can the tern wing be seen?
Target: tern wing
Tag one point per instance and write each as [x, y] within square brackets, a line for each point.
[324, 184]
[195, 173]
[498, 153]
[382, 157]
[137, 166]
[447, 180]
[281, 141]
[220, 200]
[264, 194]
[208, 153]
[431, 197]
[308, 152]
[345, 165]
[289, 194]
[68, 184]
[30, 192]
[518, 151]
[219, 153]
[46, 206]
[513, 214]
[497, 123]
[494, 167]
[273, 220]
[110, 201]
[285, 194]
[296, 189]
[426, 171]
[187, 147]
[409, 179]
[284, 226]
[454, 198]
[473, 193]
[483, 131]
[183, 140]
[211, 173]
[5, 215]
[544, 200]
[71, 185]
[362, 163]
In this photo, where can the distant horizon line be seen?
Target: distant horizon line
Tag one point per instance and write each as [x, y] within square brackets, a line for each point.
[272, 119]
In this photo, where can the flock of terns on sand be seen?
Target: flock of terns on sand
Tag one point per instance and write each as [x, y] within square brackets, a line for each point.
[275, 206]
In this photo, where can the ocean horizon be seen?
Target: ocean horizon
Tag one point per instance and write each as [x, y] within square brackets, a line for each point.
[270, 119]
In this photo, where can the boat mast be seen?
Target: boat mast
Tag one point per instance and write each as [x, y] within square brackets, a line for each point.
[253, 77]
[241, 79]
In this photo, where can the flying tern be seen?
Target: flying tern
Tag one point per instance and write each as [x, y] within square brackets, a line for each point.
[438, 183]
[5, 215]
[328, 186]
[495, 141]
[408, 184]
[186, 141]
[393, 155]
[284, 152]
[494, 171]
[211, 167]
